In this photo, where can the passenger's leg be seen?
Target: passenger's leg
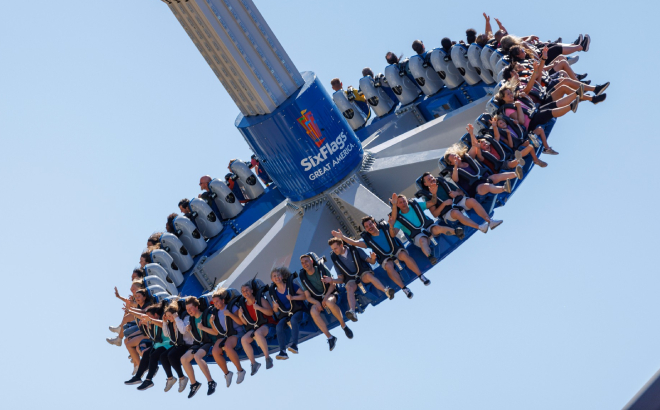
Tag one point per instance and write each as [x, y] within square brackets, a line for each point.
[260, 337]
[351, 287]
[442, 230]
[424, 245]
[370, 278]
[174, 359]
[393, 274]
[246, 341]
[462, 218]
[144, 362]
[153, 363]
[485, 189]
[230, 349]
[281, 335]
[132, 347]
[199, 358]
[473, 204]
[296, 319]
[315, 311]
[503, 176]
[219, 357]
[187, 366]
[336, 311]
[410, 262]
[538, 131]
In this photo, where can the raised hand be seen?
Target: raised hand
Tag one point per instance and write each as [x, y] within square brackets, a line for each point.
[337, 234]
[117, 293]
[434, 189]
[470, 128]
[394, 199]
[487, 17]
[391, 220]
[544, 52]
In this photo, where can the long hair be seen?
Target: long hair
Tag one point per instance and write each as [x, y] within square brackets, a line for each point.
[508, 41]
[458, 148]
[282, 270]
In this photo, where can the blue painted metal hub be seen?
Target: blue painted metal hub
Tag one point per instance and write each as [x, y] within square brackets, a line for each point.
[305, 145]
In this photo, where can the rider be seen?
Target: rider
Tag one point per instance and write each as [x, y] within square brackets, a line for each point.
[201, 347]
[288, 306]
[353, 266]
[256, 314]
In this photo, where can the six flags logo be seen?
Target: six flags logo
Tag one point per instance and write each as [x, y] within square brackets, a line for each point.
[309, 124]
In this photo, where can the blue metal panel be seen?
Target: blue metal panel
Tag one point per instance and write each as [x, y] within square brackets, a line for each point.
[306, 145]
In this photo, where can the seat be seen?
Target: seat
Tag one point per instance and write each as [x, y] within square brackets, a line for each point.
[225, 199]
[247, 181]
[486, 53]
[175, 248]
[425, 76]
[188, 233]
[459, 56]
[376, 96]
[474, 56]
[351, 112]
[165, 260]
[206, 220]
[404, 88]
[495, 57]
[500, 66]
[158, 276]
[442, 64]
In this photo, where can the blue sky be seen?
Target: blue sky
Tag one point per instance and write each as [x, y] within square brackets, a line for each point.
[109, 115]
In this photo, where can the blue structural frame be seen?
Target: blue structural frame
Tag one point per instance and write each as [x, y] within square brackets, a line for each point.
[308, 330]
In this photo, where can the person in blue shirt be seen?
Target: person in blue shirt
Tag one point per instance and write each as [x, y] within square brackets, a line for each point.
[416, 225]
[289, 308]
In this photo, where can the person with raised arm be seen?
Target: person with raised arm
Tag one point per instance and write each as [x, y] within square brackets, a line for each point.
[524, 148]
[226, 325]
[381, 239]
[476, 152]
[288, 306]
[320, 293]
[256, 315]
[419, 228]
[353, 266]
[202, 344]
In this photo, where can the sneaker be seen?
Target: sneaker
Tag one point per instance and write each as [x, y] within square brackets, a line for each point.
[269, 363]
[550, 151]
[240, 376]
[114, 329]
[348, 332]
[574, 104]
[389, 292]
[519, 172]
[507, 186]
[134, 380]
[586, 82]
[534, 140]
[572, 59]
[519, 158]
[494, 223]
[598, 99]
[116, 341]
[581, 77]
[559, 40]
[408, 293]
[147, 384]
[282, 355]
[578, 41]
[542, 164]
[333, 341]
[293, 349]
[350, 315]
[600, 88]
[212, 386]
[459, 232]
[228, 378]
[135, 367]
[424, 280]
[193, 389]
[183, 382]
[585, 43]
[254, 368]
[169, 383]
[580, 91]
[433, 260]
[484, 227]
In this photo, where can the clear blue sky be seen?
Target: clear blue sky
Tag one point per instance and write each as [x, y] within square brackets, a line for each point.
[109, 115]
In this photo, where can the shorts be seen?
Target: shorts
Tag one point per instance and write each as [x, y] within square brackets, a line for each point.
[396, 255]
[197, 347]
[423, 235]
[359, 279]
[132, 331]
[272, 331]
[460, 206]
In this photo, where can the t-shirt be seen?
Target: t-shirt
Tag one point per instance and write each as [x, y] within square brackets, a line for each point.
[222, 318]
[411, 216]
[510, 111]
[166, 343]
[315, 280]
[348, 261]
[281, 297]
[381, 241]
[253, 314]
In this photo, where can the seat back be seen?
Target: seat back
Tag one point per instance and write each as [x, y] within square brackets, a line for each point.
[486, 53]
[482, 123]
[441, 62]
[425, 76]
[190, 236]
[474, 56]
[492, 106]
[175, 248]
[225, 199]
[495, 58]
[166, 261]
[154, 270]
[207, 221]
[500, 66]
[353, 115]
[376, 96]
[460, 59]
[405, 90]
[247, 181]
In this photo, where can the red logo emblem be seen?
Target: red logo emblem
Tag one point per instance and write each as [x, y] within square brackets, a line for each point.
[309, 124]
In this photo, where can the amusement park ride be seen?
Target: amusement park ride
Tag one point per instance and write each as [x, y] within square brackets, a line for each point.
[330, 165]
